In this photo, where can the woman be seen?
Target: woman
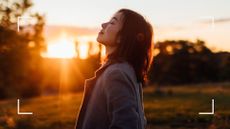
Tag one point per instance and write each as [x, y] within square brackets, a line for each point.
[113, 98]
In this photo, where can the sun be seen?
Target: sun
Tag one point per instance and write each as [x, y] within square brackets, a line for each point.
[83, 50]
[61, 48]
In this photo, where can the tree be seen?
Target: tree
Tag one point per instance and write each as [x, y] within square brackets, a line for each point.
[181, 62]
[19, 51]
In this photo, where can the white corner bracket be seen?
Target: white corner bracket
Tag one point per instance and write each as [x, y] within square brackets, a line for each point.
[22, 113]
[19, 23]
[211, 19]
[209, 113]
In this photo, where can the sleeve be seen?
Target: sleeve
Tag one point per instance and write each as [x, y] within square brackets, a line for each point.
[121, 101]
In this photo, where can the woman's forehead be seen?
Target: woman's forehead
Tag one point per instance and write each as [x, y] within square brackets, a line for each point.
[118, 16]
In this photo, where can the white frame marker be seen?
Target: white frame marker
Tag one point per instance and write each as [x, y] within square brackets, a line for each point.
[209, 113]
[22, 113]
[18, 22]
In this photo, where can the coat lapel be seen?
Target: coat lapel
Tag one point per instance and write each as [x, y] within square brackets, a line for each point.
[88, 88]
[89, 83]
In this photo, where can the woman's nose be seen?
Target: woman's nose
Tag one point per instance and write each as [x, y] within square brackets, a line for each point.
[103, 25]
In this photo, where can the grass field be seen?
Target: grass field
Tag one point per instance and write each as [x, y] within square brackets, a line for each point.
[170, 108]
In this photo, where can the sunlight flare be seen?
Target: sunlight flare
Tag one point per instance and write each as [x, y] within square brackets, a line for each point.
[61, 48]
[83, 50]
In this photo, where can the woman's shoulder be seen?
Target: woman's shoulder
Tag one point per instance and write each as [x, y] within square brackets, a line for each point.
[123, 68]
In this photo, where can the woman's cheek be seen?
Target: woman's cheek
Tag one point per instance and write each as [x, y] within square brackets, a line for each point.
[113, 35]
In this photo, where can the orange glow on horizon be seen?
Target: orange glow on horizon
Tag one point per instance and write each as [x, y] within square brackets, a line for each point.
[67, 47]
[61, 48]
[83, 50]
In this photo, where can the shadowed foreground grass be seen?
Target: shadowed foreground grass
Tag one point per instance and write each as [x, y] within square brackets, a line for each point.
[169, 108]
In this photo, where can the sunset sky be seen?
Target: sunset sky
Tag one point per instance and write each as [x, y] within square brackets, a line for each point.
[172, 19]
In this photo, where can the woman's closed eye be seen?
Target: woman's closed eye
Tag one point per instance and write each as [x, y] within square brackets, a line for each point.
[111, 23]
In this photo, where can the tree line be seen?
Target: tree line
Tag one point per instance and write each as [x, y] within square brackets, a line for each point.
[183, 62]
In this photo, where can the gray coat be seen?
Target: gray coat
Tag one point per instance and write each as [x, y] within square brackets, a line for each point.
[112, 100]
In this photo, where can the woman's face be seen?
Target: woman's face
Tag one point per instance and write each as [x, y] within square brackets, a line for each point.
[109, 32]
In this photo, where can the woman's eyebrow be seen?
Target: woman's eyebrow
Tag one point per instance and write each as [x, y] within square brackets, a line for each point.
[115, 18]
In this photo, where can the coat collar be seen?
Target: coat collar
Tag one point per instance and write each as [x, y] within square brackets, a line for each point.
[91, 81]
[88, 88]
[102, 68]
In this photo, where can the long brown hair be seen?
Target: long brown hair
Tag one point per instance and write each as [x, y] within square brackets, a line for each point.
[135, 44]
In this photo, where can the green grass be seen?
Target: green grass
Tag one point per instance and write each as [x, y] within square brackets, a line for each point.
[178, 107]
[171, 108]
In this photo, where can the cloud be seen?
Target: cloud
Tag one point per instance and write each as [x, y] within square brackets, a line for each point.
[208, 20]
[222, 20]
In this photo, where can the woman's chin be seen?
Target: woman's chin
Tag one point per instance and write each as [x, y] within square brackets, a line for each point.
[99, 40]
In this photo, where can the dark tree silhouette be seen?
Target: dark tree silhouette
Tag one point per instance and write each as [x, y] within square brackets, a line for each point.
[181, 62]
[19, 51]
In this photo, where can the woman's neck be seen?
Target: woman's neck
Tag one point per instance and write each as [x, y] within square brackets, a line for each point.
[109, 50]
